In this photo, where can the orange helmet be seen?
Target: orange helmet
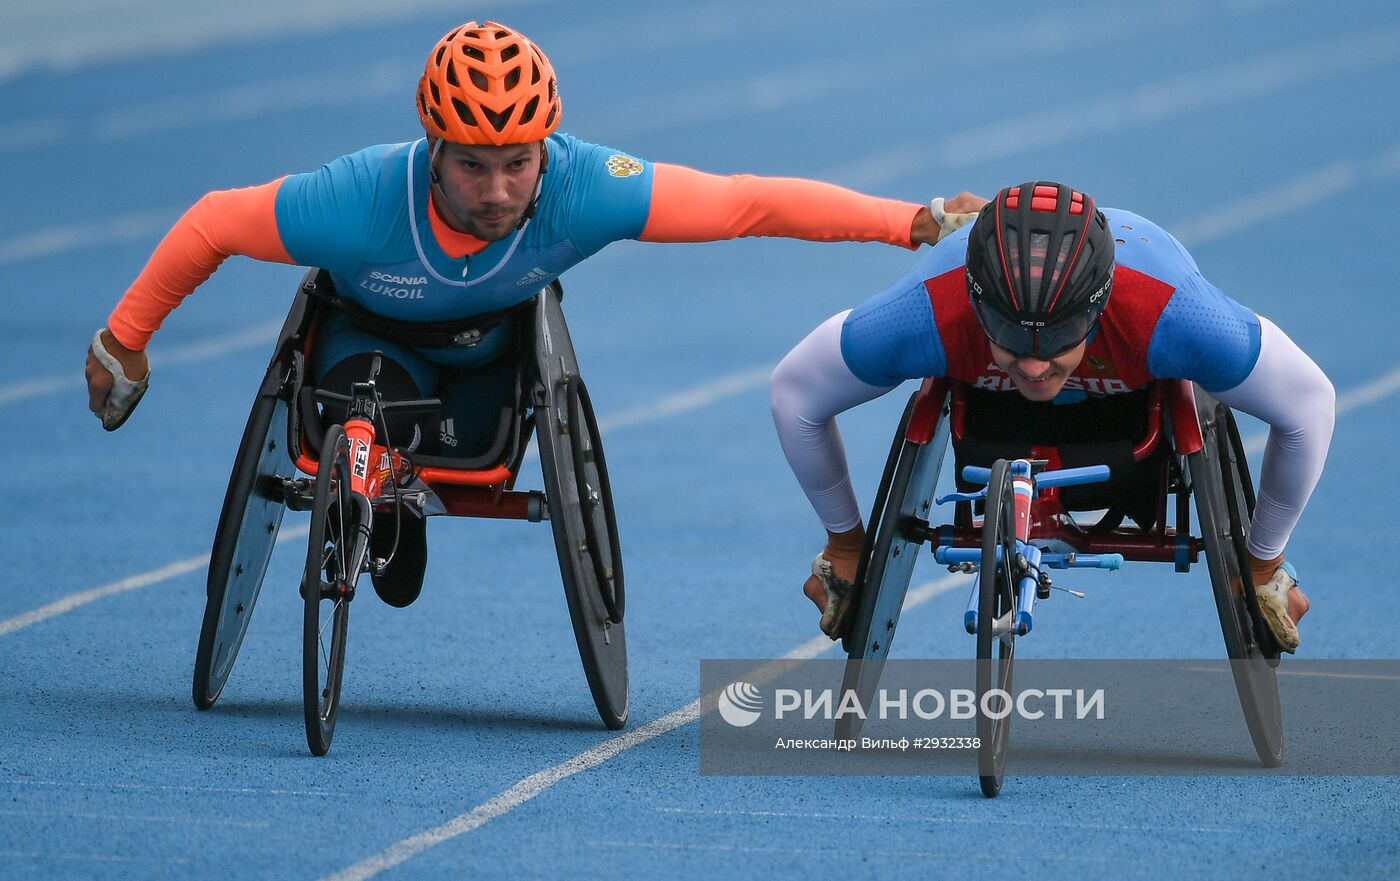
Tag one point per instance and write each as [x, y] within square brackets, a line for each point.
[488, 85]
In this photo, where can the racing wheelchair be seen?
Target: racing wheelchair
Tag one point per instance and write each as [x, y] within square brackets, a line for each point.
[295, 453]
[1037, 463]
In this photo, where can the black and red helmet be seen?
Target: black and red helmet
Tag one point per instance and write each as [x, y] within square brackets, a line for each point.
[1039, 268]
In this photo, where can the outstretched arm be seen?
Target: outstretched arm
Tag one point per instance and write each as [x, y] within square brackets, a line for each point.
[691, 206]
[220, 225]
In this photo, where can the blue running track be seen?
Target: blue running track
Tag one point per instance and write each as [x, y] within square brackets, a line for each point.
[1263, 132]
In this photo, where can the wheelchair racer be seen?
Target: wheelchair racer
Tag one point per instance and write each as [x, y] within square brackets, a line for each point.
[1060, 301]
[478, 216]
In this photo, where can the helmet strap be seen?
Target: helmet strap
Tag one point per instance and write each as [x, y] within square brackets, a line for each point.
[432, 162]
[539, 186]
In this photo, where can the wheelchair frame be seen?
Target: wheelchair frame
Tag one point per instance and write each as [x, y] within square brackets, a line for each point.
[1205, 463]
[576, 500]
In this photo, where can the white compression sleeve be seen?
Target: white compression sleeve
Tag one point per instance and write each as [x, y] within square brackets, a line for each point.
[1292, 394]
[809, 387]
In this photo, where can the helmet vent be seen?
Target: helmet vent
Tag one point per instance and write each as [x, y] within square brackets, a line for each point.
[549, 120]
[1040, 250]
[512, 79]
[437, 96]
[473, 53]
[498, 120]
[479, 79]
[1061, 263]
[509, 52]
[464, 112]
[529, 112]
[442, 50]
[452, 75]
[1086, 258]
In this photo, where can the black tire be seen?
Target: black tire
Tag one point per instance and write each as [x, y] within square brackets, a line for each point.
[872, 526]
[243, 542]
[898, 525]
[327, 589]
[1224, 507]
[585, 556]
[595, 493]
[997, 595]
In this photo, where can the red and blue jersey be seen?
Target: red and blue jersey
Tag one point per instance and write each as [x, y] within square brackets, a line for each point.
[1163, 320]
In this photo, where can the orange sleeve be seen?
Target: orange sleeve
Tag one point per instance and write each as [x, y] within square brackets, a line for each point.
[221, 224]
[691, 206]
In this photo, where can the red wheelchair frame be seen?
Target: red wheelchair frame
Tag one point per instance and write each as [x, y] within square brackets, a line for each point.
[1204, 461]
[554, 407]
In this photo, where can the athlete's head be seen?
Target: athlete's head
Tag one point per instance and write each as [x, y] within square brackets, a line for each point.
[487, 99]
[1039, 273]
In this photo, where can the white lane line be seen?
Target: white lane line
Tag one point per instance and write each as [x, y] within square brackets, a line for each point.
[151, 787]
[540, 781]
[106, 32]
[130, 583]
[991, 819]
[1279, 201]
[1302, 192]
[671, 405]
[692, 398]
[1373, 391]
[358, 85]
[139, 225]
[537, 783]
[1153, 103]
[941, 855]
[254, 336]
[816, 851]
[68, 856]
[830, 77]
[130, 818]
[1317, 674]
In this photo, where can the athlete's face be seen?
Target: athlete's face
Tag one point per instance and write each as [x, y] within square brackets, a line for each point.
[1036, 379]
[486, 189]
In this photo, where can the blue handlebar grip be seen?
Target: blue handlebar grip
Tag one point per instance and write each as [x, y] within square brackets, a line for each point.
[1073, 476]
[1111, 561]
[977, 474]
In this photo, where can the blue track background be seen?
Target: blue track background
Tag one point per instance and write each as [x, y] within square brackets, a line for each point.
[1263, 132]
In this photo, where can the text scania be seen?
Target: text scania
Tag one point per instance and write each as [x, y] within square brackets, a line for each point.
[395, 286]
[930, 703]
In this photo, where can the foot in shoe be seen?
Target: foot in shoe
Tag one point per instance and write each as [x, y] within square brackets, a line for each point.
[839, 594]
[1274, 604]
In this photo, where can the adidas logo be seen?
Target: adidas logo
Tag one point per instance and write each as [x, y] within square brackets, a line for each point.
[535, 276]
[448, 437]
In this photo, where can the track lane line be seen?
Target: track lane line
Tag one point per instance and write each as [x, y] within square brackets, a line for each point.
[540, 781]
[684, 401]
[125, 585]
[252, 336]
[537, 783]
